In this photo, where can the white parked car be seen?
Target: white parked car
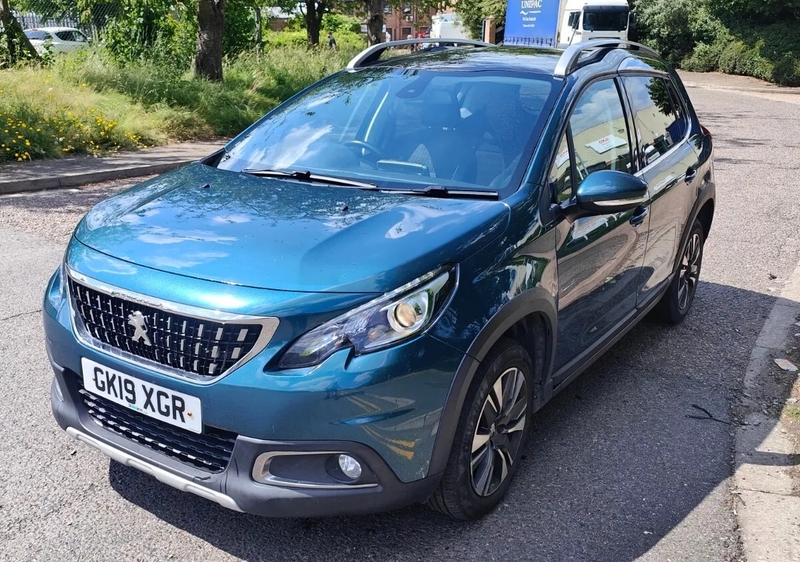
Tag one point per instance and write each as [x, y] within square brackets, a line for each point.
[60, 39]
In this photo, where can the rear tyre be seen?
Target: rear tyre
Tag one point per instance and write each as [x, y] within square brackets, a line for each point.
[678, 299]
[491, 435]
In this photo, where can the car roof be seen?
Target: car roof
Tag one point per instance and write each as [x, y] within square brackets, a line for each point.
[53, 29]
[509, 59]
[517, 59]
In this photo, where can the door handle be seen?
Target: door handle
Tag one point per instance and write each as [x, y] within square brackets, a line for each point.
[639, 215]
[691, 174]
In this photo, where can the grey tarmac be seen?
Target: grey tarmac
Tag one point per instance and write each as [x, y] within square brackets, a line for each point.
[621, 466]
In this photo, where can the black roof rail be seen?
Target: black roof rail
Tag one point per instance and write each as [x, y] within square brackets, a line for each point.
[373, 53]
[569, 61]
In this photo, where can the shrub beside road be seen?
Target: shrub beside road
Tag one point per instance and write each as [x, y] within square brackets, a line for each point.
[746, 37]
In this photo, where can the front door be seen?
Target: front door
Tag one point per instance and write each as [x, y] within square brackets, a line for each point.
[600, 258]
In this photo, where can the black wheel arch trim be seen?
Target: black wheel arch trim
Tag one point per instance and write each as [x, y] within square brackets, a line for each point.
[533, 301]
[707, 194]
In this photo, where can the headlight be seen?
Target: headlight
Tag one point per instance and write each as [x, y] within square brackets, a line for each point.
[378, 324]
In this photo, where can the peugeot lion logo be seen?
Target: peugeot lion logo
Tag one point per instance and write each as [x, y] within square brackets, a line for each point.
[139, 323]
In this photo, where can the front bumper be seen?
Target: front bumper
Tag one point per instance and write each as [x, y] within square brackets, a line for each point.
[234, 488]
[385, 408]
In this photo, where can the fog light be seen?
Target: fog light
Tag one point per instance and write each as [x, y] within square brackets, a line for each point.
[350, 467]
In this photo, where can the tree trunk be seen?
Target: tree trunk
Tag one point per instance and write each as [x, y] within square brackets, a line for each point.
[259, 37]
[210, 28]
[314, 12]
[15, 37]
[375, 21]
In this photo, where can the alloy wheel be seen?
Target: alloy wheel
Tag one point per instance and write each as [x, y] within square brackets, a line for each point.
[689, 273]
[499, 431]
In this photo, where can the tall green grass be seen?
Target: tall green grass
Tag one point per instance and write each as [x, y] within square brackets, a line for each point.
[87, 104]
[253, 85]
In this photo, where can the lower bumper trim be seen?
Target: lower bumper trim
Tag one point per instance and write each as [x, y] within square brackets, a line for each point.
[160, 474]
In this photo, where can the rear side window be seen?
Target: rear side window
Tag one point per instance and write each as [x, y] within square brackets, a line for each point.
[659, 121]
[35, 34]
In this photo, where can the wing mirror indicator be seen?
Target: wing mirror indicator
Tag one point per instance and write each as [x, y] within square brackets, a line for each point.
[608, 191]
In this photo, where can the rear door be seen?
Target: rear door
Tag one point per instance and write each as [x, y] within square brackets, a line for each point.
[600, 257]
[669, 166]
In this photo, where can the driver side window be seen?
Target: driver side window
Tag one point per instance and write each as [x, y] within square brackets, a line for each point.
[599, 131]
[600, 139]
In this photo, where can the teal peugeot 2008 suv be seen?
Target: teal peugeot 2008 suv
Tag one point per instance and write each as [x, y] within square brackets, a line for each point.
[363, 299]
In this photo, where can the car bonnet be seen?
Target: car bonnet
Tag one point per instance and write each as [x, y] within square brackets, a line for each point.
[268, 233]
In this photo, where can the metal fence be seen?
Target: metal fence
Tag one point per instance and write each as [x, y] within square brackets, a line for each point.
[90, 17]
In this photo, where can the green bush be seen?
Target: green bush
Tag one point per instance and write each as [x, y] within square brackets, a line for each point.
[282, 39]
[337, 23]
[705, 58]
[674, 27]
[725, 35]
[770, 53]
[155, 30]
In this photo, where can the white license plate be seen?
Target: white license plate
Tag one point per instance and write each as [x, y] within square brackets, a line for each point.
[174, 408]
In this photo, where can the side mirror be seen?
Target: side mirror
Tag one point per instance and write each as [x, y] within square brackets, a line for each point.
[607, 191]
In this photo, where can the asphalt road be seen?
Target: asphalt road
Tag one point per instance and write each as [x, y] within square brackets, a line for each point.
[616, 469]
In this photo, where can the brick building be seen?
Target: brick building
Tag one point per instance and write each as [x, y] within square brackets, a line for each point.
[405, 20]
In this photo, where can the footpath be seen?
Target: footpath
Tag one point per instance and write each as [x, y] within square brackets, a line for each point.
[765, 479]
[719, 81]
[71, 172]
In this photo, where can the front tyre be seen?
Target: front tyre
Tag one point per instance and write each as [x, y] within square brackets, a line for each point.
[491, 435]
[678, 299]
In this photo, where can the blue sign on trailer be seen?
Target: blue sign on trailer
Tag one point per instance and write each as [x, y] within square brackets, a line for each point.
[532, 23]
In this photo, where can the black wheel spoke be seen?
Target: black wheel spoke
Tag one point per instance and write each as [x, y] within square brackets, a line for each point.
[689, 272]
[483, 473]
[514, 413]
[498, 435]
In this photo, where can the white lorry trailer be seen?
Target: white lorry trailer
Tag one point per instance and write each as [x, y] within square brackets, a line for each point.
[448, 26]
[585, 20]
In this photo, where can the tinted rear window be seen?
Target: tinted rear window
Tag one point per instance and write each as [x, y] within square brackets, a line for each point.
[35, 34]
[659, 125]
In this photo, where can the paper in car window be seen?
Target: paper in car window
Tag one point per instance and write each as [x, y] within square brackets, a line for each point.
[561, 158]
[606, 143]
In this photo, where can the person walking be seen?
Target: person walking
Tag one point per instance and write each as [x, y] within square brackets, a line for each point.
[331, 41]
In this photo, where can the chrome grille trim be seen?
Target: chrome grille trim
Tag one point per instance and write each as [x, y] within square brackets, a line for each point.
[268, 327]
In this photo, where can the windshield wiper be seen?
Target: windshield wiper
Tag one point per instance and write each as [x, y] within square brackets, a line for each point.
[441, 191]
[309, 177]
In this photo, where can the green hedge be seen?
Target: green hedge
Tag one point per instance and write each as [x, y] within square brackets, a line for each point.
[707, 35]
[770, 53]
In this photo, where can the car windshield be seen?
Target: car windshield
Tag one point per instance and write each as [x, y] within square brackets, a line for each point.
[400, 128]
[607, 19]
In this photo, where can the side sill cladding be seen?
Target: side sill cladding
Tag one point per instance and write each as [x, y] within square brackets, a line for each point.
[535, 301]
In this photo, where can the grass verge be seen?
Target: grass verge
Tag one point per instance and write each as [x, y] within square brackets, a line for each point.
[86, 104]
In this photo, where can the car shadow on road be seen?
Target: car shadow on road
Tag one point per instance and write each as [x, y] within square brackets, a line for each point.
[615, 464]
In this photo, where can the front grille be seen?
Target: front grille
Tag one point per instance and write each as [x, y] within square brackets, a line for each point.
[200, 347]
[210, 451]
